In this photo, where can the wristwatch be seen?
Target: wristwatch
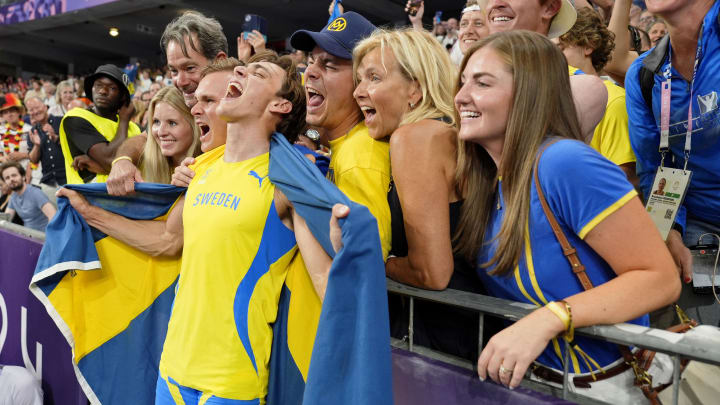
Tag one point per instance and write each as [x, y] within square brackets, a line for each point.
[313, 135]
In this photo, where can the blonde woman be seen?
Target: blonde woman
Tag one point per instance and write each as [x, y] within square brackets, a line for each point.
[64, 94]
[174, 136]
[514, 95]
[404, 89]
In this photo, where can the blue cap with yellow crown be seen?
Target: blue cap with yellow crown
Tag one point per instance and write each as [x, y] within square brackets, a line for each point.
[338, 38]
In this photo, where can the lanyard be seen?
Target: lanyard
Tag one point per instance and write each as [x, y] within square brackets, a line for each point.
[666, 92]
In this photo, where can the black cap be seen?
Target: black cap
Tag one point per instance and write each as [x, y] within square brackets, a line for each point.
[113, 72]
[338, 38]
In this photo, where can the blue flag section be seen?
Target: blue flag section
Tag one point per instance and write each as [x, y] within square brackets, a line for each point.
[350, 362]
[111, 302]
[335, 12]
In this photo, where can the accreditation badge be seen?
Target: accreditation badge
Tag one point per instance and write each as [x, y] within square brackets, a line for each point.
[666, 197]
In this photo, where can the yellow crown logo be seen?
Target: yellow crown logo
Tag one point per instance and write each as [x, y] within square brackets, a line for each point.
[337, 25]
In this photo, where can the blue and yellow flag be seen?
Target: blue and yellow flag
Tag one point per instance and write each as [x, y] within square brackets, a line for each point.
[350, 358]
[111, 302]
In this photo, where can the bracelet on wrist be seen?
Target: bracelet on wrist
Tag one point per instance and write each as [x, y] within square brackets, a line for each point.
[119, 158]
[563, 311]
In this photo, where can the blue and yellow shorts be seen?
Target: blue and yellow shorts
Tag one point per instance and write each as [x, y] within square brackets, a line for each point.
[169, 392]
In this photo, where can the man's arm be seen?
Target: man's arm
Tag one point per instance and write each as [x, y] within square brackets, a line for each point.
[124, 174]
[156, 238]
[590, 96]
[104, 152]
[622, 57]
[49, 210]
[11, 212]
[317, 261]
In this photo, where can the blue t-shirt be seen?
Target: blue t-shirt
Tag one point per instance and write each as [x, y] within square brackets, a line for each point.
[582, 188]
[703, 197]
[29, 207]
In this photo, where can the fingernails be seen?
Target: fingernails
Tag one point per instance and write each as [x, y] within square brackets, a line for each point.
[687, 280]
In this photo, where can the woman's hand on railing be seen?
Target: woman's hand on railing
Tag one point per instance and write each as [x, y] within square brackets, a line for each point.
[510, 352]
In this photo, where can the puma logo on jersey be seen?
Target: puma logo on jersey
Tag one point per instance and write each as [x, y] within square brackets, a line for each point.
[257, 176]
[204, 176]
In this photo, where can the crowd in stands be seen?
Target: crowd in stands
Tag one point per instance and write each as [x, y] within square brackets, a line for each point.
[499, 133]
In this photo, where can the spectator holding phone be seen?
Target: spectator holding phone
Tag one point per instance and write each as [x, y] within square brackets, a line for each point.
[253, 38]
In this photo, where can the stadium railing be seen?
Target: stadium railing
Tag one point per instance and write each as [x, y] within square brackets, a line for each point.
[678, 346]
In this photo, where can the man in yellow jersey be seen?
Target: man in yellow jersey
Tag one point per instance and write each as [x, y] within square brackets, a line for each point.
[213, 129]
[359, 165]
[587, 48]
[235, 230]
[90, 137]
[190, 42]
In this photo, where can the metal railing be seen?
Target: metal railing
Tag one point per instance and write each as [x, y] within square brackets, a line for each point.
[21, 230]
[678, 346]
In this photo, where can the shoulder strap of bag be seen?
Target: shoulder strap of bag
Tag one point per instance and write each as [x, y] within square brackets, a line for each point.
[650, 67]
[568, 250]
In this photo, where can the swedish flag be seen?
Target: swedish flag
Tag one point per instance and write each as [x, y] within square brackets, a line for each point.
[350, 358]
[111, 302]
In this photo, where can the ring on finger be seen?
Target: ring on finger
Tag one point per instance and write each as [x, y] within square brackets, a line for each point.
[504, 370]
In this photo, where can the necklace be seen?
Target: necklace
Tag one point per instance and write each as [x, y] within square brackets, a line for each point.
[12, 137]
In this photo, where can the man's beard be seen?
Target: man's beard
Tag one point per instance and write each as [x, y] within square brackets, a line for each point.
[18, 187]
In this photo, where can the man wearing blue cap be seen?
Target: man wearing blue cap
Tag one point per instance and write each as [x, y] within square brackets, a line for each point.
[359, 165]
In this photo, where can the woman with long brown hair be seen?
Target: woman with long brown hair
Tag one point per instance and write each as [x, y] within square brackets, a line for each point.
[515, 104]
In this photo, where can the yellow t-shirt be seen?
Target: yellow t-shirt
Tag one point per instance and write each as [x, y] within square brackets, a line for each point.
[360, 168]
[612, 137]
[205, 160]
[106, 127]
[235, 259]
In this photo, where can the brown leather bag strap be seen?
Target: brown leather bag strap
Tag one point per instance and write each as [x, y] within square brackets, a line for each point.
[568, 250]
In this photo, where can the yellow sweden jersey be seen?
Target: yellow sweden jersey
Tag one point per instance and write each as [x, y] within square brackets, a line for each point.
[360, 168]
[235, 259]
[206, 159]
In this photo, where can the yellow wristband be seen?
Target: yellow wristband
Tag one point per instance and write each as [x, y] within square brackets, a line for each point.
[117, 159]
[557, 309]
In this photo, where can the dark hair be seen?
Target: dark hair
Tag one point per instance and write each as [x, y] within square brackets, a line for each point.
[8, 165]
[292, 90]
[208, 31]
[590, 31]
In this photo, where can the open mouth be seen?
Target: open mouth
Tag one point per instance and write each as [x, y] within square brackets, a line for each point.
[469, 115]
[500, 16]
[314, 98]
[234, 90]
[369, 113]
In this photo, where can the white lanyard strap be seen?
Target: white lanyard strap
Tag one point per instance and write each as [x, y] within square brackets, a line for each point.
[666, 96]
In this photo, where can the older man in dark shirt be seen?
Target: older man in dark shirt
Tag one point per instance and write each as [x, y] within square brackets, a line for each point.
[44, 144]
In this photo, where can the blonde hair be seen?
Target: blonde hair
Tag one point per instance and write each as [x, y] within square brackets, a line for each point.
[65, 84]
[542, 106]
[140, 110]
[154, 167]
[421, 58]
